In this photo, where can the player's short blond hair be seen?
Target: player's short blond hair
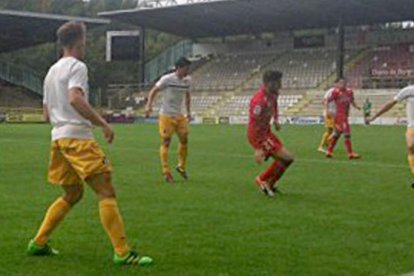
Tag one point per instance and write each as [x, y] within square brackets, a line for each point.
[70, 33]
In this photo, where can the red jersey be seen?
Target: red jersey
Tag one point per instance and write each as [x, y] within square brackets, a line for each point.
[262, 109]
[343, 100]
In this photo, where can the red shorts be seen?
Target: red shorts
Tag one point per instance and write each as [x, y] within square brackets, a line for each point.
[342, 125]
[270, 146]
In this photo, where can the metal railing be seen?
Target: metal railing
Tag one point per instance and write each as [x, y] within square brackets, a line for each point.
[145, 4]
[163, 62]
[22, 76]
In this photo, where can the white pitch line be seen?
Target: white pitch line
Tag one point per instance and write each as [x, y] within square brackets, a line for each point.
[232, 155]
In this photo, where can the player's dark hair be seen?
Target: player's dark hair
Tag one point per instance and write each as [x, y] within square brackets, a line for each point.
[272, 75]
[182, 62]
[70, 33]
[340, 79]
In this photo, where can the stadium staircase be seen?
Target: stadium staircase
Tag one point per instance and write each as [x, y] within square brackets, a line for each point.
[161, 63]
[352, 62]
[300, 106]
[21, 76]
[310, 103]
[239, 90]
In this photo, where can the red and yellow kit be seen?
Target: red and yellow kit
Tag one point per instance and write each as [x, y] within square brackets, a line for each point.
[343, 99]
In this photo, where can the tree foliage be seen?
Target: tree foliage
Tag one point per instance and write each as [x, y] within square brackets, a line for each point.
[101, 73]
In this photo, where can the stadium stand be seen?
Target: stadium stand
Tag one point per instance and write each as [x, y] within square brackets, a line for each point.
[239, 105]
[378, 97]
[224, 84]
[384, 67]
[200, 103]
[304, 69]
[12, 96]
[227, 72]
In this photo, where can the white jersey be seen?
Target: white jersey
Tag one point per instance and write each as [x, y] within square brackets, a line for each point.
[407, 94]
[65, 74]
[331, 106]
[174, 90]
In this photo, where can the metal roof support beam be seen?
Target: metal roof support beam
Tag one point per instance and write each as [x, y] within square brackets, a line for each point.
[340, 49]
[142, 55]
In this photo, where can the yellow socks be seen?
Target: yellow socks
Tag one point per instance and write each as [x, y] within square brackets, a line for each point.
[110, 218]
[411, 162]
[164, 159]
[114, 227]
[325, 140]
[182, 155]
[54, 216]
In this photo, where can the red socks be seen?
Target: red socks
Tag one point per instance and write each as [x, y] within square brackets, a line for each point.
[275, 171]
[348, 145]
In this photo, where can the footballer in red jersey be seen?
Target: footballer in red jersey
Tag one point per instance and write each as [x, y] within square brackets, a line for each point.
[263, 110]
[343, 99]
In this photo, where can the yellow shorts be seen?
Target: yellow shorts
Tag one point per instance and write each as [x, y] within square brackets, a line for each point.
[173, 124]
[74, 160]
[410, 132]
[329, 122]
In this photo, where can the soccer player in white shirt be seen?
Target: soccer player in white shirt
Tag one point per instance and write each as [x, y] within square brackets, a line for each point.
[405, 94]
[329, 114]
[76, 157]
[176, 88]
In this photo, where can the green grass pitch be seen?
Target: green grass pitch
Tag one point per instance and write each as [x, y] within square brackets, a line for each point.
[336, 217]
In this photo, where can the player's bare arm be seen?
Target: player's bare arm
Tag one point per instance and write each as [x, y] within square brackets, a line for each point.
[45, 113]
[188, 105]
[387, 107]
[148, 108]
[78, 102]
[354, 104]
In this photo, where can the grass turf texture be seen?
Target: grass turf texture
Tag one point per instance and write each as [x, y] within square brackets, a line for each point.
[336, 217]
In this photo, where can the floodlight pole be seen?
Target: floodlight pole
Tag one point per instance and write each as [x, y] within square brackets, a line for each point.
[340, 50]
[142, 55]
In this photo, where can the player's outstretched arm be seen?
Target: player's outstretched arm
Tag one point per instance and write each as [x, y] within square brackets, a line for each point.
[387, 107]
[148, 108]
[78, 102]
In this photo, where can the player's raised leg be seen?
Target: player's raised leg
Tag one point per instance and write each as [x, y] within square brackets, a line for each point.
[166, 133]
[264, 179]
[283, 159]
[112, 221]
[325, 139]
[166, 169]
[182, 132]
[54, 215]
[274, 148]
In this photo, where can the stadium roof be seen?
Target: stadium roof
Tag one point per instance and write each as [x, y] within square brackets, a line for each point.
[234, 17]
[26, 29]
